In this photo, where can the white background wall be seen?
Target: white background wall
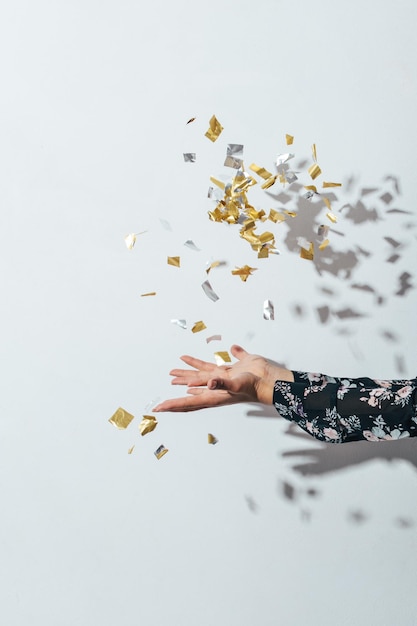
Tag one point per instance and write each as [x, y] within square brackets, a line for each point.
[268, 526]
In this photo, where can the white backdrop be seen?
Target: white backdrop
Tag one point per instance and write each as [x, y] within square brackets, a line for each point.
[267, 526]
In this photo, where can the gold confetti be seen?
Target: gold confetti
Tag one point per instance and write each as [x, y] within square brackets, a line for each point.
[332, 184]
[268, 183]
[212, 266]
[214, 130]
[198, 326]
[314, 152]
[314, 171]
[244, 272]
[311, 188]
[263, 252]
[324, 244]
[218, 182]
[130, 240]
[148, 424]
[248, 181]
[150, 293]
[121, 419]
[222, 357]
[327, 202]
[290, 213]
[174, 261]
[289, 139]
[159, 452]
[332, 217]
[192, 119]
[276, 216]
[131, 450]
[307, 254]
[261, 171]
[214, 338]
[212, 439]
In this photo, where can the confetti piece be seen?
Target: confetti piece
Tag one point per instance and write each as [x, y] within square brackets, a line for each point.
[231, 161]
[174, 261]
[310, 194]
[189, 157]
[290, 177]
[198, 327]
[324, 244]
[261, 171]
[290, 213]
[192, 119]
[327, 202]
[289, 139]
[159, 452]
[307, 254]
[218, 182]
[212, 439]
[180, 323]
[214, 338]
[314, 152]
[312, 188]
[208, 290]
[268, 312]
[121, 419]
[314, 171]
[284, 158]
[214, 130]
[190, 244]
[150, 293]
[331, 184]
[248, 181]
[235, 149]
[323, 230]
[332, 217]
[165, 224]
[221, 358]
[276, 216]
[148, 424]
[244, 272]
[131, 450]
[268, 183]
[130, 240]
[213, 265]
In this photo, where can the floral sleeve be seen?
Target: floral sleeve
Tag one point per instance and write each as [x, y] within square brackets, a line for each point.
[340, 410]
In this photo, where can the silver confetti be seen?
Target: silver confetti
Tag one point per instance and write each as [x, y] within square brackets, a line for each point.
[208, 290]
[268, 310]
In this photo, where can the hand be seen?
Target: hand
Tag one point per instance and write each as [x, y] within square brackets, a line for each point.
[251, 379]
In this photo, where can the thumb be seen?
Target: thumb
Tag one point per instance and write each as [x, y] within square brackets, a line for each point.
[238, 352]
[222, 383]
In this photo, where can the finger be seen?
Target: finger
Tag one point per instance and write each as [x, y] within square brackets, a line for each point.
[198, 364]
[194, 402]
[192, 379]
[238, 352]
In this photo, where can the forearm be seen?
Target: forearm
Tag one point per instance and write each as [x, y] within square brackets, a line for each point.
[340, 410]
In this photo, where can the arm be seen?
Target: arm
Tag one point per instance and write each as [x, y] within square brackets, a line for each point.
[334, 410]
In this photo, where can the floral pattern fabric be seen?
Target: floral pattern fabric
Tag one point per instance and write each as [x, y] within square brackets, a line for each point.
[339, 410]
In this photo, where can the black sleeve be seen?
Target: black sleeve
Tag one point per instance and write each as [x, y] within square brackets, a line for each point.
[340, 410]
